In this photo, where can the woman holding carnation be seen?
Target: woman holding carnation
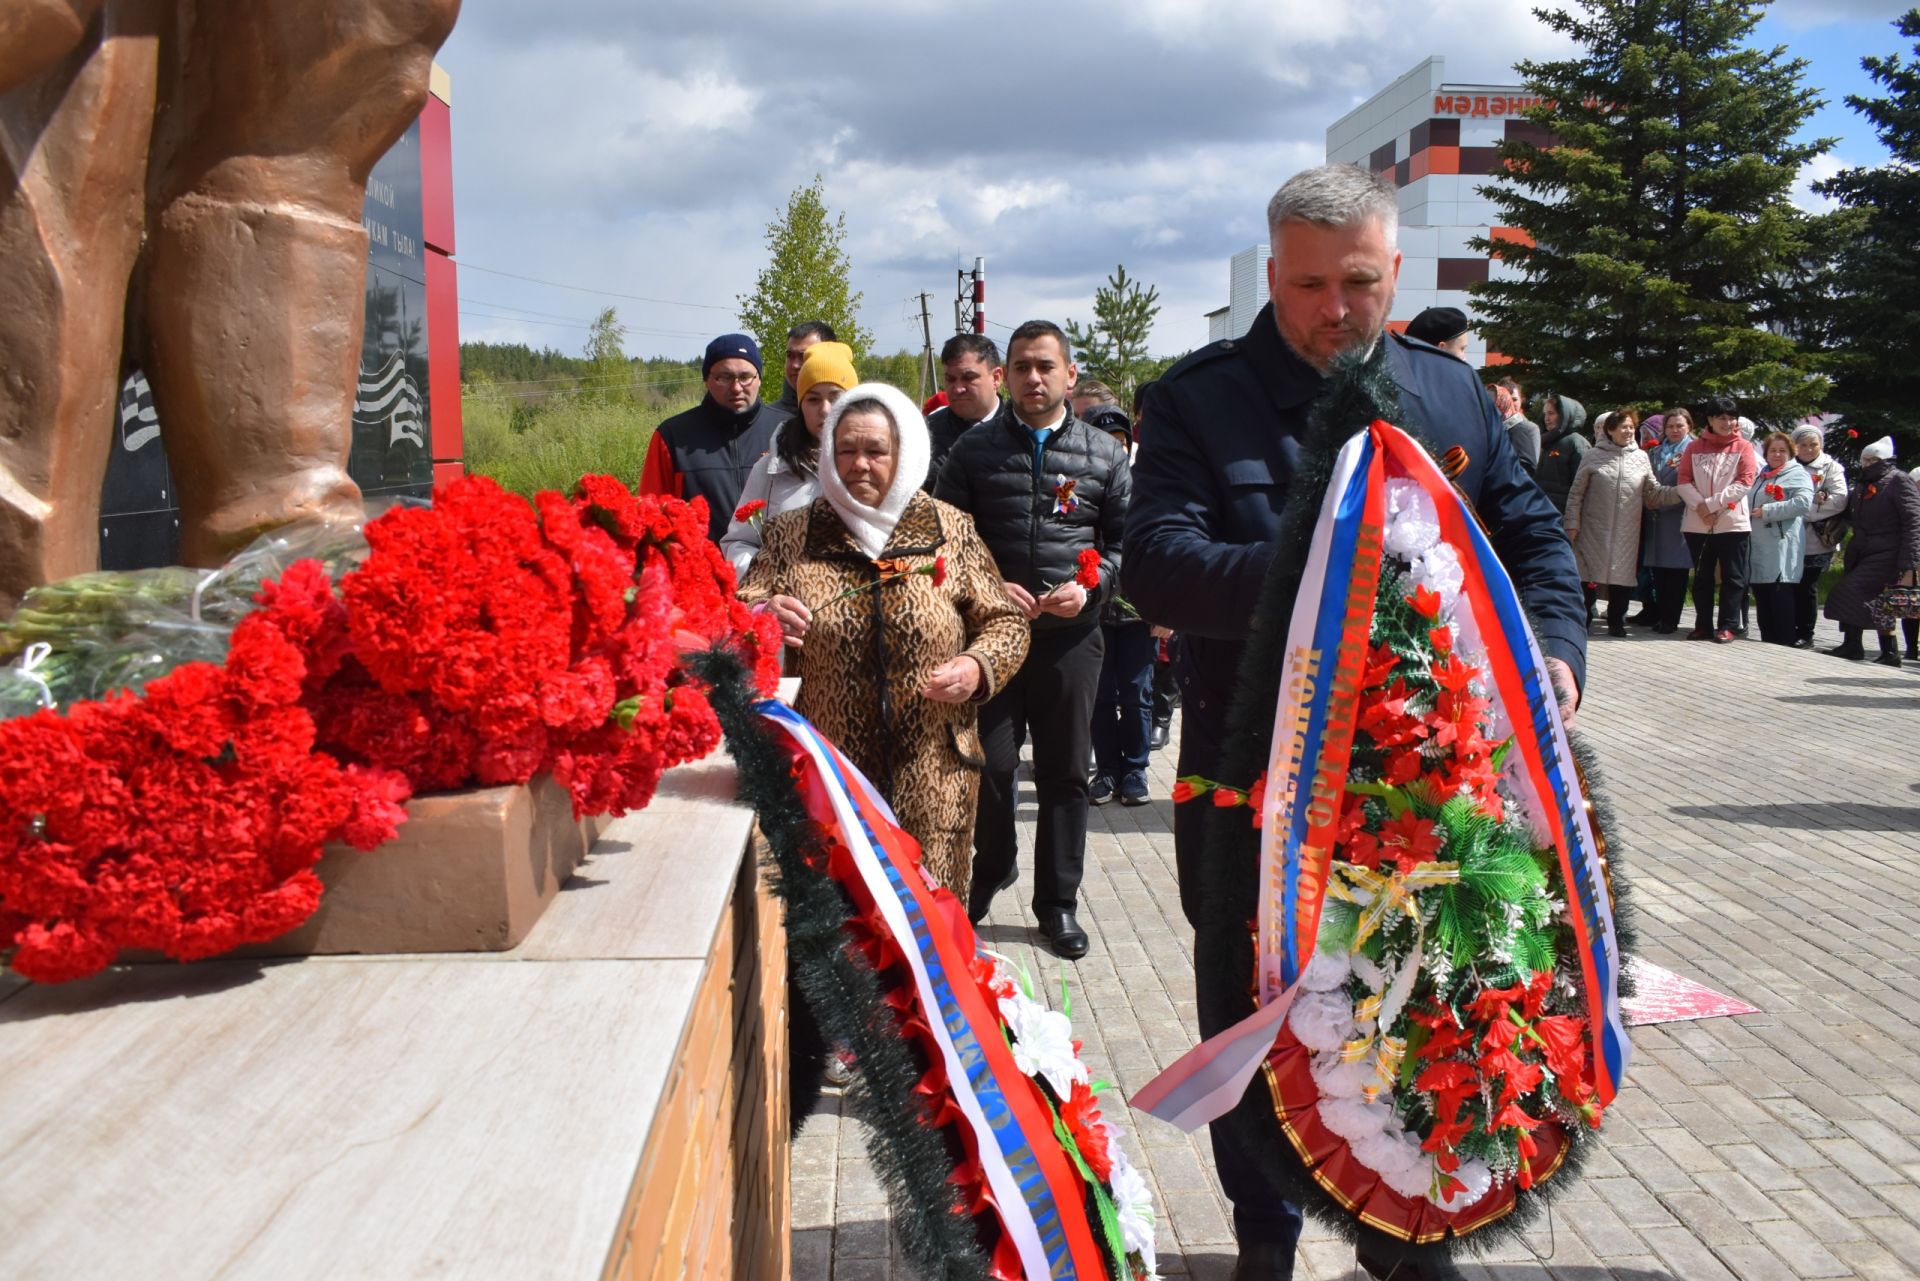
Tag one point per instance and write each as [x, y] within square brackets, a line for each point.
[1780, 499]
[895, 612]
[787, 476]
[1609, 491]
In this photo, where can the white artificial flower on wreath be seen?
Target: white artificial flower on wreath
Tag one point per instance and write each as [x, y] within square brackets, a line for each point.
[1133, 1206]
[1355, 1119]
[1477, 1175]
[1043, 1044]
[1326, 971]
[1322, 1020]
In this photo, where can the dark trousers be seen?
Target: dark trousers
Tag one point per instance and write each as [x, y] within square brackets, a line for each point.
[1259, 1212]
[1774, 603]
[1806, 595]
[1911, 626]
[1714, 556]
[1618, 600]
[1669, 597]
[1051, 698]
[1123, 712]
[1166, 693]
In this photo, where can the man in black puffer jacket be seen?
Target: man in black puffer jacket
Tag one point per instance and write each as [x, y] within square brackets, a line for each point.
[1042, 487]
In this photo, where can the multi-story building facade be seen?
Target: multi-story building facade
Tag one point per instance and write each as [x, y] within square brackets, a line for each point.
[1437, 143]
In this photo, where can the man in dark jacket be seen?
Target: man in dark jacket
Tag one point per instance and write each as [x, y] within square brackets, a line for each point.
[707, 451]
[800, 340]
[1042, 487]
[1219, 446]
[971, 375]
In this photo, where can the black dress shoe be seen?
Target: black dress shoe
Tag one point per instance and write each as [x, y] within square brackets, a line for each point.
[1157, 739]
[980, 898]
[1803, 643]
[1260, 1261]
[1063, 935]
[1642, 619]
[1888, 658]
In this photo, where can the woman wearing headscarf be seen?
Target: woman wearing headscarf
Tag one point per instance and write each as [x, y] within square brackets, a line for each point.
[1562, 445]
[1663, 548]
[895, 673]
[1716, 472]
[1780, 499]
[1885, 548]
[787, 476]
[1610, 490]
[1823, 531]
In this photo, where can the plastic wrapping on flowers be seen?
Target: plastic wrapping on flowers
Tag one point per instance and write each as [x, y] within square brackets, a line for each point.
[181, 744]
[87, 636]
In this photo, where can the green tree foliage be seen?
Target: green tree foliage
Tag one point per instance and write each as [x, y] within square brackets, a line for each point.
[1875, 315]
[807, 277]
[1667, 261]
[608, 372]
[1113, 349]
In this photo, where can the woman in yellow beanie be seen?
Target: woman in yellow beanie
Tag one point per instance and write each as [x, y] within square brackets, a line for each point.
[787, 476]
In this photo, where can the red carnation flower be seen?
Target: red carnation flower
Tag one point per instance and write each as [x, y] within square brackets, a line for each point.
[939, 571]
[748, 511]
[1088, 575]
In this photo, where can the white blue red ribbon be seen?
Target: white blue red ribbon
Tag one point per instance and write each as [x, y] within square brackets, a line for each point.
[1038, 1196]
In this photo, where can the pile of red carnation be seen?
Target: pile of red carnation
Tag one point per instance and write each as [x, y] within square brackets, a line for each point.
[484, 641]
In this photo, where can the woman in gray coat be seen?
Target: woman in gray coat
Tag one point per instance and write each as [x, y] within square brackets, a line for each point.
[1782, 495]
[1663, 548]
[1609, 491]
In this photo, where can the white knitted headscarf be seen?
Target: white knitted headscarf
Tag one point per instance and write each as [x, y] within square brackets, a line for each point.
[872, 526]
[1882, 448]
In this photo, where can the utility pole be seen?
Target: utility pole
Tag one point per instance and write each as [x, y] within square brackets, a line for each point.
[928, 383]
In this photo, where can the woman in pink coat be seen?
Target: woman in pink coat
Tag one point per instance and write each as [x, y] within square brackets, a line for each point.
[1716, 475]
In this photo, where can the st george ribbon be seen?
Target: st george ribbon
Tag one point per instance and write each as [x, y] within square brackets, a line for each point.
[1327, 640]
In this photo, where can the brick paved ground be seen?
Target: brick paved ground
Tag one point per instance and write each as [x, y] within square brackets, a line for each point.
[1770, 799]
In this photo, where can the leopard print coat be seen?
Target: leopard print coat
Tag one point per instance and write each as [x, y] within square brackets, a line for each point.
[867, 657]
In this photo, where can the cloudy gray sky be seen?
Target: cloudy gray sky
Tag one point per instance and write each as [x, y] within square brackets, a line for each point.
[640, 148]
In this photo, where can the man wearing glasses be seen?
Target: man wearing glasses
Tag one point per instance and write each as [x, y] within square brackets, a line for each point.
[708, 450]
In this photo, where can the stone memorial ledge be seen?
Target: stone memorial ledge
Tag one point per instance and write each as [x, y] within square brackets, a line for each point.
[605, 1100]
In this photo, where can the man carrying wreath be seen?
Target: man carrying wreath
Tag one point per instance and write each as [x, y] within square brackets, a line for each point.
[1220, 446]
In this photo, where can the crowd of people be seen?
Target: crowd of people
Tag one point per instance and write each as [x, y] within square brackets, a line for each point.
[1752, 517]
[948, 577]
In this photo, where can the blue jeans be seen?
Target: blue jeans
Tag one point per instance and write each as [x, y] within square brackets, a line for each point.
[1123, 709]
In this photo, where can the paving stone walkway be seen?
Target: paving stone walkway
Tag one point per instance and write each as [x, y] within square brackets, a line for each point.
[1769, 803]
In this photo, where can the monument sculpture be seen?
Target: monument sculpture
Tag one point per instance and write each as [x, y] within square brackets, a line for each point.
[184, 182]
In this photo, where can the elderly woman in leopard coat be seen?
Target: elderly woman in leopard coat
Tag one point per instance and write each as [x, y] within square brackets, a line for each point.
[894, 673]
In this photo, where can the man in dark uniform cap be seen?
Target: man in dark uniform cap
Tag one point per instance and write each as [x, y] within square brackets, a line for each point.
[1219, 446]
[1443, 327]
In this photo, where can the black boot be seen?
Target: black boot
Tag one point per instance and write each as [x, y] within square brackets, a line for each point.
[1849, 646]
[1889, 651]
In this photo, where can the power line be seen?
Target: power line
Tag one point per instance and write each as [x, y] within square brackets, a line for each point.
[555, 315]
[584, 324]
[464, 265]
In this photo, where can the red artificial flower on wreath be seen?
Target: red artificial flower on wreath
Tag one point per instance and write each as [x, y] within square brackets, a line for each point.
[1453, 675]
[1381, 660]
[1564, 1039]
[991, 979]
[1088, 573]
[1534, 999]
[1080, 1111]
[1403, 766]
[1425, 602]
[1441, 638]
[1444, 1037]
[749, 511]
[1409, 841]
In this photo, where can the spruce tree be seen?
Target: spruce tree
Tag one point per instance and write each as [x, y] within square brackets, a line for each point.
[1667, 262]
[1875, 319]
[807, 277]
